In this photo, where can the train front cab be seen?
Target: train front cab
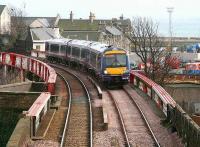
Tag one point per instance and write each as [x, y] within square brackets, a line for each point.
[115, 67]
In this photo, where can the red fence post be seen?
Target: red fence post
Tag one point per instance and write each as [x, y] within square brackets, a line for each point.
[51, 88]
[131, 78]
[144, 88]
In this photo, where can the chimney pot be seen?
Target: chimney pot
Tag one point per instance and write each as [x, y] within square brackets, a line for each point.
[71, 16]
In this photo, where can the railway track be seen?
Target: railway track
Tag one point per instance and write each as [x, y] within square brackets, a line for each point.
[78, 124]
[135, 126]
[56, 125]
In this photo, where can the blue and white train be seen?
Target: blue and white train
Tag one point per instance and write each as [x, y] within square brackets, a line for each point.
[109, 63]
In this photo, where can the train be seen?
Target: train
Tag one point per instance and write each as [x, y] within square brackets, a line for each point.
[108, 63]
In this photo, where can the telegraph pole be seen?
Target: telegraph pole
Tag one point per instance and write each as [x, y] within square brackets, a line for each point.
[170, 10]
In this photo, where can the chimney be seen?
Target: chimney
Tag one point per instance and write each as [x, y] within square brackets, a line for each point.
[91, 17]
[71, 16]
[121, 17]
[56, 20]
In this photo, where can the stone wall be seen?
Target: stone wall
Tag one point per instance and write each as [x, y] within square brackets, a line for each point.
[17, 99]
[186, 95]
[25, 86]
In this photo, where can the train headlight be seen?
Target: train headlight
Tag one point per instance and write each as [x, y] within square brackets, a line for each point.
[105, 72]
[126, 72]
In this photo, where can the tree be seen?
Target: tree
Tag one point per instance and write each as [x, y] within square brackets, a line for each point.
[18, 25]
[148, 46]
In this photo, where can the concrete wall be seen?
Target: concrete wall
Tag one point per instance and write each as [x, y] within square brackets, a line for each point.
[186, 95]
[25, 86]
[35, 53]
[20, 136]
[17, 100]
[40, 44]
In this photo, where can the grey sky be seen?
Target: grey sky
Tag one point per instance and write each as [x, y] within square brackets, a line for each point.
[184, 10]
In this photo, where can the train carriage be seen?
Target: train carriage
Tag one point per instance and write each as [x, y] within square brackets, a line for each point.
[108, 63]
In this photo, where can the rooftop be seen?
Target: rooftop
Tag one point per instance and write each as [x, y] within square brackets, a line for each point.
[44, 33]
[2, 8]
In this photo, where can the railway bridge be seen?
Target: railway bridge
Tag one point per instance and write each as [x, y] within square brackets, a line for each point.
[39, 106]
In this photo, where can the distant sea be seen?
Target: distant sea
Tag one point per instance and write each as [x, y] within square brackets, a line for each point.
[180, 27]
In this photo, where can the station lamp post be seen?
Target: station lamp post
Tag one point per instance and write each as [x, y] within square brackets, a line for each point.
[170, 10]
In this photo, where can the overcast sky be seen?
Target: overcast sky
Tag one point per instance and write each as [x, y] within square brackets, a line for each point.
[184, 10]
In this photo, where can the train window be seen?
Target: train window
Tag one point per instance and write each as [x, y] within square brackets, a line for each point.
[93, 59]
[68, 50]
[75, 51]
[84, 53]
[55, 48]
[115, 60]
[63, 49]
[99, 62]
[46, 46]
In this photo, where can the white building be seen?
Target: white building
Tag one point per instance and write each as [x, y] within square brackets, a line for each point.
[39, 36]
[5, 20]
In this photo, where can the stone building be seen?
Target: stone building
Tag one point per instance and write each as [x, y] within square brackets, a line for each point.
[110, 31]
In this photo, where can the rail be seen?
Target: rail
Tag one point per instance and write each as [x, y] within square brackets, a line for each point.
[180, 120]
[121, 120]
[145, 120]
[89, 101]
[68, 111]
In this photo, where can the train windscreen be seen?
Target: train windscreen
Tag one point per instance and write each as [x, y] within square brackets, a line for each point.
[115, 60]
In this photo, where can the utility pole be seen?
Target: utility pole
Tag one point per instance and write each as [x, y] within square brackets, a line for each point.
[170, 10]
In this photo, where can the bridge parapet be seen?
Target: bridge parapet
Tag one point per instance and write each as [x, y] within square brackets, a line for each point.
[180, 120]
[42, 70]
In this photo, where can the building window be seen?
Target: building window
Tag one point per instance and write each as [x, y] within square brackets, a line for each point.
[37, 47]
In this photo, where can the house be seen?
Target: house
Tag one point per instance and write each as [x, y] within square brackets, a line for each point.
[39, 36]
[39, 30]
[5, 20]
[110, 31]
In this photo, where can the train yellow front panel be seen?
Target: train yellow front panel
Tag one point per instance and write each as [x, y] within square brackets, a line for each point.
[116, 71]
[115, 52]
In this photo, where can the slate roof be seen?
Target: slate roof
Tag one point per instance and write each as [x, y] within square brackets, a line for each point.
[29, 20]
[2, 8]
[82, 35]
[43, 34]
[84, 24]
[42, 22]
[113, 30]
[66, 24]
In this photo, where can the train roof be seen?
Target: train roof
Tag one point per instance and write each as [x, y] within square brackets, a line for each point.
[101, 47]
[62, 41]
[95, 46]
[80, 43]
